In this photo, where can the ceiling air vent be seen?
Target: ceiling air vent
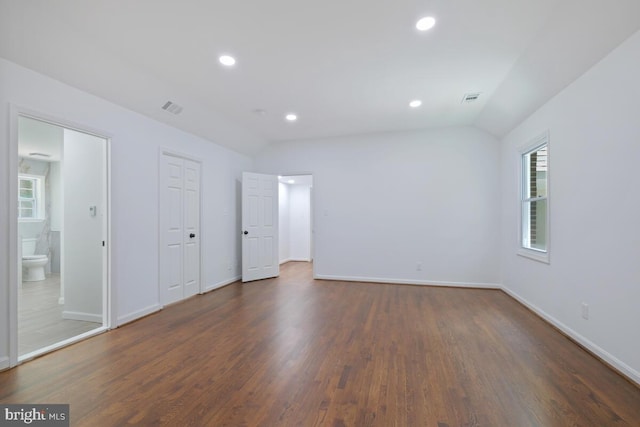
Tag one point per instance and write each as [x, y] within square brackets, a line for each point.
[470, 97]
[172, 107]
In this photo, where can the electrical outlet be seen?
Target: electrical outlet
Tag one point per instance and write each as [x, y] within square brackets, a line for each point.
[585, 311]
[419, 266]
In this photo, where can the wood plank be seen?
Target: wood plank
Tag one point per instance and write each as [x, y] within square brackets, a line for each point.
[294, 351]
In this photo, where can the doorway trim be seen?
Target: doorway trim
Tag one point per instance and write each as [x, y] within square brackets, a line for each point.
[164, 151]
[108, 293]
[312, 215]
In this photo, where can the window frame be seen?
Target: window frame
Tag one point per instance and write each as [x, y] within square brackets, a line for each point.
[38, 198]
[531, 146]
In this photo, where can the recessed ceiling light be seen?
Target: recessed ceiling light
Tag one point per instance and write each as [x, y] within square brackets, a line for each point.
[415, 103]
[291, 117]
[426, 23]
[227, 60]
[291, 181]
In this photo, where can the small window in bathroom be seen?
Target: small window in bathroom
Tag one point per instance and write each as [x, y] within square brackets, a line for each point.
[30, 197]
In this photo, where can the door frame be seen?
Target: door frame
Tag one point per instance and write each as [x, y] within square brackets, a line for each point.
[170, 152]
[108, 292]
[312, 215]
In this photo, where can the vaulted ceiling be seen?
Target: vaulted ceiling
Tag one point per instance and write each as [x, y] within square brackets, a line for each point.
[344, 67]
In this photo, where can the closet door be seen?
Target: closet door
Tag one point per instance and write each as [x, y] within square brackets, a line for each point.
[179, 228]
[191, 226]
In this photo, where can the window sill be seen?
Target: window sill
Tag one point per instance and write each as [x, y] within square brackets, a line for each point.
[534, 255]
[30, 219]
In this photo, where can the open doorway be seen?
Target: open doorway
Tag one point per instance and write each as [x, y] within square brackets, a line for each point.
[295, 198]
[61, 289]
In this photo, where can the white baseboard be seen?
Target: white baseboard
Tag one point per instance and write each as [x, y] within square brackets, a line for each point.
[86, 317]
[616, 363]
[409, 282]
[127, 318]
[221, 284]
[4, 363]
[284, 261]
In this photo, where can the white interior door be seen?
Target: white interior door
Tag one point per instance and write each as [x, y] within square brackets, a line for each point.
[83, 232]
[191, 275]
[179, 228]
[259, 226]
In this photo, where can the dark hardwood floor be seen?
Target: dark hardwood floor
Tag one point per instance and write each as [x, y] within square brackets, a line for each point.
[296, 352]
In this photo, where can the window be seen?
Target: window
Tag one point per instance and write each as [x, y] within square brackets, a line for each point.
[30, 197]
[534, 200]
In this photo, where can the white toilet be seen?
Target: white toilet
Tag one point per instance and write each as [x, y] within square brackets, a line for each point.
[32, 265]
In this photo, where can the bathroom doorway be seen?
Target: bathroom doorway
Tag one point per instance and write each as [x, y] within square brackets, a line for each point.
[62, 257]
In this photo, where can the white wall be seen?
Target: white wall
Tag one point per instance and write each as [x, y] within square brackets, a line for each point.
[56, 196]
[295, 222]
[135, 145]
[283, 224]
[300, 222]
[594, 127]
[384, 202]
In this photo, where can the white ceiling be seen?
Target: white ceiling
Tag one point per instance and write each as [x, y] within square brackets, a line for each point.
[345, 67]
[36, 137]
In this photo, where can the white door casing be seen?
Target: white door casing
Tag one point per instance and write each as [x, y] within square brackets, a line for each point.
[259, 226]
[179, 228]
[108, 309]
